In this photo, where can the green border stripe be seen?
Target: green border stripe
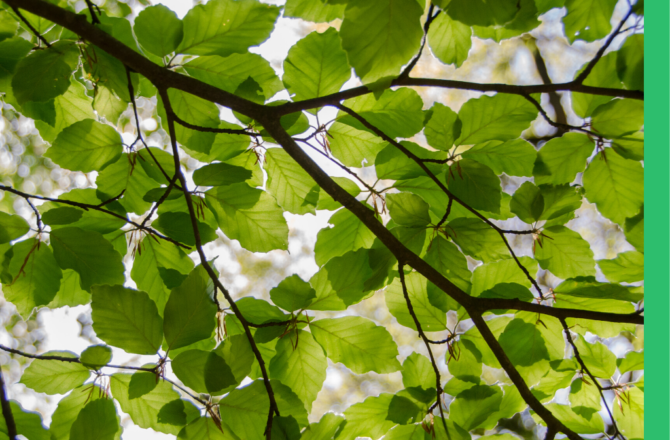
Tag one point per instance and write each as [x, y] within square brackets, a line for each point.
[657, 196]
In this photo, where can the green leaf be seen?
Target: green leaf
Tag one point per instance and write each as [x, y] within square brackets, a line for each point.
[316, 66]
[293, 294]
[352, 146]
[450, 262]
[327, 202]
[627, 267]
[229, 72]
[392, 163]
[615, 185]
[630, 146]
[431, 318]
[559, 375]
[630, 62]
[341, 282]
[418, 377]
[584, 397]
[473, 406]
[524, 21]
[588, 287]
[107, 104]
[98, 419]
[588, 20]
[203, 372]
[70, 293]
[514, 158]
[443, 127]
[190, 312]
[378, 48]
[165, 160]
[560, 203]
[475, 184]
[313, 10]
[89, 254]
[13, 50]
[245, 410]
[249, 215]
[158, 30]
[145, 409]
[347, 234]
[131, 180]
[560, 159]
[152, 261]
[581, 422]
[597, 358]
[630, 416]
[69, 408]
[634, 230]
[204, 428]
[28, 423]
[618, 118]
[324, 429]
[527, 203]
[127, 319]
[450, 40]
[55, 377]
[35, 275]
[62, 216]
[247, 23]
[219, 174]
[408, 432]
[633, 361]
[477, 239]
[300, 363]
[258, 311]
[12, 227]
[294, 189]
[236, 352]
[481, 13]
[375, 416]
[565, 253]
[408, 210]
[487, 276]
[397, 112]
[86, 146]
[601, 76]
[45, 74]
[358, 343]
[196, 111]
[501, 117]
[525, 347]
[96, 356]
[179, 226]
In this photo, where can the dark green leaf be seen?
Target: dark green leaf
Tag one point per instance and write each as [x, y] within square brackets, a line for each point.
[560, 159]
[98, 419]
[475, 184]
[514, 158]
[158, 30]
[292, 294]
[565, 253]
[96, 356]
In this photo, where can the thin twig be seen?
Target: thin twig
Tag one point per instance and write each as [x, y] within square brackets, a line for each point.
[240, 131]
[7, 410]
[30, 26]
[426, 27]
[274, 409]
[74, 360]
[426, 341]
[86, 207]
[585, 73]
[91, 7]
[566, 329]
[444, 189]
[446, 214]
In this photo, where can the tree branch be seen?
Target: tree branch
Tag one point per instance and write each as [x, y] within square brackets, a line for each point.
[426, 27]
[426, 341]
[585, 73]
[86, 207]
[74, 360]
[274, 409]
[597, 384]
[444, 189]
[30, 26]
[7, 410]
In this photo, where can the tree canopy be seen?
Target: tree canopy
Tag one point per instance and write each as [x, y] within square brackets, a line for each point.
[464, 220]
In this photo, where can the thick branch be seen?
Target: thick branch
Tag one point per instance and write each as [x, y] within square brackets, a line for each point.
[274, 409]
[7, 410]
[551, 421]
